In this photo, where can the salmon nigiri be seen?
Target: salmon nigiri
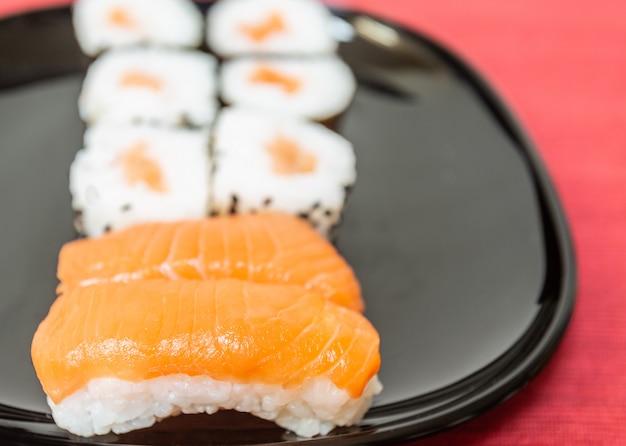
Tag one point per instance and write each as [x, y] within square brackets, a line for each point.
[262, 248]
[118, 356]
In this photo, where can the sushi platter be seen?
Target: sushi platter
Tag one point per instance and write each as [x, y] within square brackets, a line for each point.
[352, 239]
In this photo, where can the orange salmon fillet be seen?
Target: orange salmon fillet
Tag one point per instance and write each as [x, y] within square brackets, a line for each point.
[270, 248]
[227, 329]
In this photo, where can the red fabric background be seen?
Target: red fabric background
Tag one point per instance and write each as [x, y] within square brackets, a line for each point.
[561, 65]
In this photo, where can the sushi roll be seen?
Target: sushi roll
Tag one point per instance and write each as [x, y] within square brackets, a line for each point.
[281, 163]
[118, 356]
[127, 175]
[280, 27]
[150, 85]
[105, 24]
[316, 88]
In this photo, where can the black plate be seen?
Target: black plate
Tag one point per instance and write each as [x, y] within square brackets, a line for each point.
[453, 229]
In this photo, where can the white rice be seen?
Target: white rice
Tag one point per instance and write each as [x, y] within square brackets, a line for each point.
[245, 177]
[323, 87]
[305, 28]
[110, 404]
[150, 85]
[107, 200]
[104, 24]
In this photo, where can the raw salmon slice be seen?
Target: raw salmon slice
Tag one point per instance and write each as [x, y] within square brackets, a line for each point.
[269, 248]
[227, 329]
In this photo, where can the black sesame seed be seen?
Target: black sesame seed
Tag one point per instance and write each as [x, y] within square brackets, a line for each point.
[233, 206]
[332, 233]
[328, 212]
[267, 202]
[127, 207]
[316, 205]
[304, 215]
[108, 228]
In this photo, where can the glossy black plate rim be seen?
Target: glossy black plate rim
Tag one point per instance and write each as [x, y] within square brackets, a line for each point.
[497, 381]
[504, 377]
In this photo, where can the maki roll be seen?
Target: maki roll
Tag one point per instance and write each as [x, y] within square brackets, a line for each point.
[105, 24]
[282, 163]
[285, 27]
[150, 85]
[127, 175]
[316, 88]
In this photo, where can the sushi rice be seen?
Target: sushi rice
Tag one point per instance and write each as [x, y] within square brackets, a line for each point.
[106, 24]
[131, 174]
[317, 88]
[111, 404]
[281, 163]
[153, 85]
[280, 27]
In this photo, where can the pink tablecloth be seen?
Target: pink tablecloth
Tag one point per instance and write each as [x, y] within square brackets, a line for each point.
[561, 65]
